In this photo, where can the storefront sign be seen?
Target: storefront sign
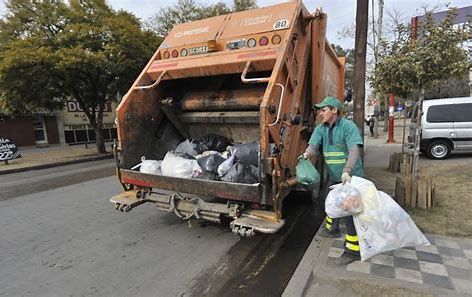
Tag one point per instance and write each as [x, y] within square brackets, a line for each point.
[8, 150]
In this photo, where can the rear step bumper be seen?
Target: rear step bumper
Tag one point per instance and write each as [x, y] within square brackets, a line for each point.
[245, 223]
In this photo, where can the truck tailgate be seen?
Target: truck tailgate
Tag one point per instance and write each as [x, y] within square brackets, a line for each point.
[233, 191]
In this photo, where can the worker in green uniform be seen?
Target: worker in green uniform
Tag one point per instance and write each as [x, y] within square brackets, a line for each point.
[339, 140]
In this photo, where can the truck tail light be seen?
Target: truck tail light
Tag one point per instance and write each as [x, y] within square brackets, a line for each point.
[263, 41]
[175, 54]
[251, 42]
[276, 39]
[184, 52]
[166, 55]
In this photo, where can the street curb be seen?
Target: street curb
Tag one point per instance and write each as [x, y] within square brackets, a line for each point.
[302, 275]
[51, 165]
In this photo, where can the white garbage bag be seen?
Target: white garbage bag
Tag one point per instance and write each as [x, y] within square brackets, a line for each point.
[151, 167]
[187, 146]
[383, 225]
[225, 166]
[180, 167]
[343, 201]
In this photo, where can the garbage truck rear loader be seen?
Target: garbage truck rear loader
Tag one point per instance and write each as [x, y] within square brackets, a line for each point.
[249, 76]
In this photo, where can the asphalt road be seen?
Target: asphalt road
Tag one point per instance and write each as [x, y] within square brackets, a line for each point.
[33, 181]
[69, 241]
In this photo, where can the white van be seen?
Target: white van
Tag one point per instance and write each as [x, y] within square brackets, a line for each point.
[446, 125]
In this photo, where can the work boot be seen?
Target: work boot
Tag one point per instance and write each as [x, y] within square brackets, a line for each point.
[347, 258]
[326, 233]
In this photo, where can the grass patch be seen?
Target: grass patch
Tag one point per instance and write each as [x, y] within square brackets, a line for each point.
[452, 215]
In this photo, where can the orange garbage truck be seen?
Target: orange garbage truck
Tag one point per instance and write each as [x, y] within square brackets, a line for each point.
[250, 76]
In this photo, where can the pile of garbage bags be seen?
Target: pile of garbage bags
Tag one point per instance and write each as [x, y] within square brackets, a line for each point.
[381, 224]
[212, 157]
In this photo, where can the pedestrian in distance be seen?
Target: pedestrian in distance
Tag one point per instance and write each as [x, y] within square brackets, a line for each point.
[371, 124]
[338, 140]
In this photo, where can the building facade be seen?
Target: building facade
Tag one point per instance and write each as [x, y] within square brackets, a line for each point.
[66, 127]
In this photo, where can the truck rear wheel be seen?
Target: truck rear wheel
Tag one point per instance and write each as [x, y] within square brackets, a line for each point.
[438, 150]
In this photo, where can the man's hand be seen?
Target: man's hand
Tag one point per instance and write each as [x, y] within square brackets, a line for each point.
[345, 178]
[306, 156]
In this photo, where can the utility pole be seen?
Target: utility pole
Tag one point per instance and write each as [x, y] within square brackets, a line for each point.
[376, 53]
[362, 16]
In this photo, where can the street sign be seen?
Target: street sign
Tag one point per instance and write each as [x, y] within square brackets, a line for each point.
[8, 150]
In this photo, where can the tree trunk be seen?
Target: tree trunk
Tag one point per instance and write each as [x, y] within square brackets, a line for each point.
[417, 132]
[385, 127]
[362, 14]
[99, 141]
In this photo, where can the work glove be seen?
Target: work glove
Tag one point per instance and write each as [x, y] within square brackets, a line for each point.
[305, 156]
[345, 177]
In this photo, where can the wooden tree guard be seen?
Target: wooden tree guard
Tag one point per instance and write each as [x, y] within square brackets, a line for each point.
[401, 162]
[415, 192]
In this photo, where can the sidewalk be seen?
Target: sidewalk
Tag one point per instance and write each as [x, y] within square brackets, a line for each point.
[442, 269]
[45, 157]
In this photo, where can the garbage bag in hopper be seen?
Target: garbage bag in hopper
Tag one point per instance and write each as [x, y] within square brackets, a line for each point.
[247, 153]
[215, 142]
[242, 173]
[176, 166]
[210, 162]
[343, 201]
[207, 176]
[191, 147]
[150, 167]
[383, 225]
[225, 166]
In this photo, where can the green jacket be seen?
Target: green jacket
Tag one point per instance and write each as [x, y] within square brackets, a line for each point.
[335, 142]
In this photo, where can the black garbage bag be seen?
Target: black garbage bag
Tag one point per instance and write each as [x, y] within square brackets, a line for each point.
[247, 153]
[211, 162]
[214, 142]
[242, 173]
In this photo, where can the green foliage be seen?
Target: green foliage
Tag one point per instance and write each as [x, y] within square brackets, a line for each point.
[240, 5]
[52, 51]
[409, 64]
[188, 10]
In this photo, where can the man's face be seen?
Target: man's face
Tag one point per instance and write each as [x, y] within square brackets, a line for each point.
[328, 116]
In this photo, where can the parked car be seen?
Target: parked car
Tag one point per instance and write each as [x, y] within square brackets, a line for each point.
[446, 126]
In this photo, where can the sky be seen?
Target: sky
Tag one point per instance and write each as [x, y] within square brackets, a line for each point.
[341, 13]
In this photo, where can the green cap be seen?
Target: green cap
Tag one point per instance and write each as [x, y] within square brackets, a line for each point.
[331, 101]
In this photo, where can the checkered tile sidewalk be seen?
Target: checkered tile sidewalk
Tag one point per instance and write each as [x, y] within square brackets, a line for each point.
[446, 263]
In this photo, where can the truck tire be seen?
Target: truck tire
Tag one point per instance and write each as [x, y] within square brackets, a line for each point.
[438, 150]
